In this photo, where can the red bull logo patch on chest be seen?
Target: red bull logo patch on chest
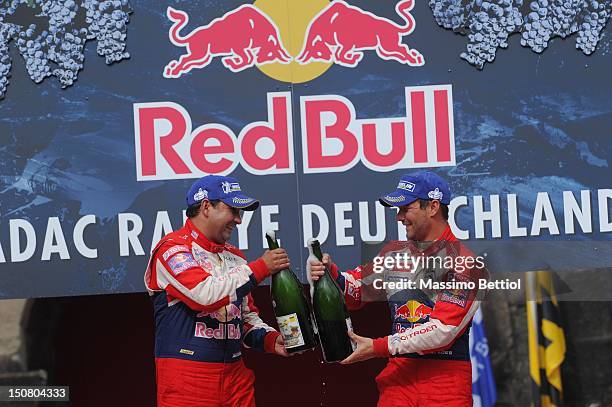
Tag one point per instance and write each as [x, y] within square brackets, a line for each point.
[412, 311]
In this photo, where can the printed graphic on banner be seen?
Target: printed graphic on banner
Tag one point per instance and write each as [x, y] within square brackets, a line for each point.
[341, 32]
[489, 25]
[317, 34]
[527, 161]
[254, 35]
[244, 37]
[51, 37]
[333, 139]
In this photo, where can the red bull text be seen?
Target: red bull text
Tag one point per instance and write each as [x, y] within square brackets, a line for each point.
[224, 331]
[333, 139]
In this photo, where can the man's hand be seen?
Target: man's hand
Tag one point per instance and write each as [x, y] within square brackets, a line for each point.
[276, 260]
[279, 347]
[364, 351]
[317, 268]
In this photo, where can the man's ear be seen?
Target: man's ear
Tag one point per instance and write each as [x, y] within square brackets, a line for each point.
[205, 208]
[434, 208]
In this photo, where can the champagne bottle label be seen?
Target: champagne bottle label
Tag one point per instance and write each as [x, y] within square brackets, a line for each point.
[289, 326]
[349, 326]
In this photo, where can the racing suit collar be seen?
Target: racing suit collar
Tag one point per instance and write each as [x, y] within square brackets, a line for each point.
[436, 245]
[202, 240]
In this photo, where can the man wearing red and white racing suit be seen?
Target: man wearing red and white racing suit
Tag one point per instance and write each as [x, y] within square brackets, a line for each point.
[428, 347]
[204, 312]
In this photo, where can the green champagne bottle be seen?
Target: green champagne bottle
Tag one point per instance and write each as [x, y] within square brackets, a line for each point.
[331, 316]
[291, 307]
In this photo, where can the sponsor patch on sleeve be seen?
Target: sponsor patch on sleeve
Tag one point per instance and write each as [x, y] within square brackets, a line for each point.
[181, 262]
[351, 290]
[175, 249]
[458, 296]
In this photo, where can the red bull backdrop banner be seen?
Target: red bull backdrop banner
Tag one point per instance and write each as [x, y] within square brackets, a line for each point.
[111, 109]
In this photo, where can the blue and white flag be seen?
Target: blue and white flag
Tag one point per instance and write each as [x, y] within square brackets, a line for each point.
[484, 393]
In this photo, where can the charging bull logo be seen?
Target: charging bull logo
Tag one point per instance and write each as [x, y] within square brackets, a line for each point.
[341, 32]
[223, 314]
[412, 311]
[333, 33]
[245, 37]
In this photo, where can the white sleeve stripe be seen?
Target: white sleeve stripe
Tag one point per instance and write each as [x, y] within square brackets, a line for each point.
[250, 317]
[210, 290]
[431, 335]
[147, 279]
[351, 278]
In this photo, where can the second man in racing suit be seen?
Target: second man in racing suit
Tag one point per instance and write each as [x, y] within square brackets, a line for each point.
[428, 347]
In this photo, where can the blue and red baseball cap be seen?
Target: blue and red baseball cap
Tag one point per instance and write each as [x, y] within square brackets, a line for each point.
[225, 189]
[420, 185]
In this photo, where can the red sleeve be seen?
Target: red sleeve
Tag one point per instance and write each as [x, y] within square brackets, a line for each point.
[350, 284]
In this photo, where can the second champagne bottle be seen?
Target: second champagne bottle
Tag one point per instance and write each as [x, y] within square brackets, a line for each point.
[332, 318]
